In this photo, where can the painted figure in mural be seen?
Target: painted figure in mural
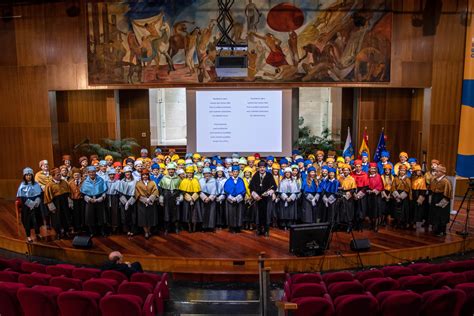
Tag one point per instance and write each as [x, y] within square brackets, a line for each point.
[157, 42]
[252, 64]
[253, 16]
[276, 57]
[293, 45]
[190, 48]
[178, 38]
[204, 38]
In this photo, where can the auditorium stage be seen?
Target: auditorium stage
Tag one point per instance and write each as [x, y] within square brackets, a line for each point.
[223, 253]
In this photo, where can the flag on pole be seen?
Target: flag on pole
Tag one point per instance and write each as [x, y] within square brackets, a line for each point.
[365, 144]
[380, 147]
[348, 148]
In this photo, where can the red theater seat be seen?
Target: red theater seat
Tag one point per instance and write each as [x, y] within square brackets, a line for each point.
[448, 279]
[356, 305]
[13, 264]
[313, 306]
[345, 288]
[9, 304]
[469, 275]
[458, 266]
[85, 274]
[442, 302]
[399, 303]
[378, 285]
[126, 305]
[425, 268]
[334, 277]
[306, 290]
[160, 298]
[114, 275]
[39, 300]
[79, 303]
[369, 274]
[65, 283]
[151, 278]
[60, 269]
[30, 267]
[396, 272]
[306, 278]
[33, 279]
[9, 276]
[468, 307]
[416, 283]
[100, 286]
[140, 289]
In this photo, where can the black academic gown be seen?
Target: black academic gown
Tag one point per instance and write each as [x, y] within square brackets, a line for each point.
[261, 185]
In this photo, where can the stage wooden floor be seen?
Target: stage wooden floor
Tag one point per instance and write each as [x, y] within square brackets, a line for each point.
[223, 252]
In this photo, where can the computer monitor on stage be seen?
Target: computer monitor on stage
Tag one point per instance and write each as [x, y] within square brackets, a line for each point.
[309, 239]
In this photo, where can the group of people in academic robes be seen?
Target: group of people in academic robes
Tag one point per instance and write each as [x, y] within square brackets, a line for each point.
[170, 194]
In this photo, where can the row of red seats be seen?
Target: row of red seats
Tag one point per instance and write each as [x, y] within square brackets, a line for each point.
[132, 298]
[66, 277]
[446, 302]
[418, 278]
[374, 281]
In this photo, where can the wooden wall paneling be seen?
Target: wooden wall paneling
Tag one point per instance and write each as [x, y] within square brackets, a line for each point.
[448, 62]
[411, 51]
[347, 113]
[398, 113]
[66, 36]
[32, 89]
[84, 114]
[9, 96]
[30, 34]
[135, 115]
[8, 56]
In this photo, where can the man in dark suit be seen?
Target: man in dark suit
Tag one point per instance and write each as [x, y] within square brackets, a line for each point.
[116, 263]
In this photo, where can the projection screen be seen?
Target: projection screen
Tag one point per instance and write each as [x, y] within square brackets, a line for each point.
[246, 121]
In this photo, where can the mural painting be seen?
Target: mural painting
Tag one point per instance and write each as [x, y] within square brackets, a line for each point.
[164, 41]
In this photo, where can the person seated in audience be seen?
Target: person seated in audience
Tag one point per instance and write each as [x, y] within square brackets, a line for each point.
[116, 263]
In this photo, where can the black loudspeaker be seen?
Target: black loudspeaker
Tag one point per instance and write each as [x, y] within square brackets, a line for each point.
[84, 242]
[309, 239]
[360, 244]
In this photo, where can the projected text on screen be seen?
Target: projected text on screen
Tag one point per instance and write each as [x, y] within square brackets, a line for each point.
[239, 121]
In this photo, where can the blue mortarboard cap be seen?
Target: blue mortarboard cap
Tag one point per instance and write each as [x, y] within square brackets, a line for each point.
[295, 152]
[364, 154]
[270, 158]
[385, 154]
[411, 160]
[155, 166]
[307, 162]
[283, 161]
[235, 168]
[299, 160]
[311, 169]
